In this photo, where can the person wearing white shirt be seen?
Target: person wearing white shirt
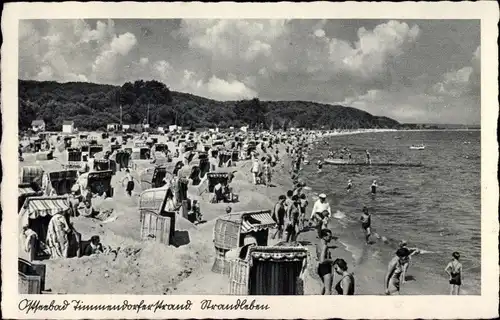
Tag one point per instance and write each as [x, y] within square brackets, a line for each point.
[321, 213]
[255, 170]
[321, 205]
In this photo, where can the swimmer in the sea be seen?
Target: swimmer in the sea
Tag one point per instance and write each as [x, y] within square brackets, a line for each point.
[366, 221]
[373, 187]
[454, 270]
[320, 165]
[349, 185]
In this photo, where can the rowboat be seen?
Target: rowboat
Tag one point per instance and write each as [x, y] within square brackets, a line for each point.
[420, 147]
[336, 161]
[342, 162]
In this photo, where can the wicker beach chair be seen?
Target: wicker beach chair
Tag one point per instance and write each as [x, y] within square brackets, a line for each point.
[229, 232]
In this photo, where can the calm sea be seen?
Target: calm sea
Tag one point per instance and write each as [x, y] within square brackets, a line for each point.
[435, 207]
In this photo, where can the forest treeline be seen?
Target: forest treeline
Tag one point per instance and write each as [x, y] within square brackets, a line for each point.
[92, 106]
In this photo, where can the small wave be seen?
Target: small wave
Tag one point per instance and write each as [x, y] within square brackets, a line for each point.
[421, 251]
[339, 215]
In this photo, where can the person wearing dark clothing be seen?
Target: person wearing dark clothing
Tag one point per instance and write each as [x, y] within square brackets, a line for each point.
[346, 284]
[94, 247]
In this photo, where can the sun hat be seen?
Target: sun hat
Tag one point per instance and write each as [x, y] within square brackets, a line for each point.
[323, 196]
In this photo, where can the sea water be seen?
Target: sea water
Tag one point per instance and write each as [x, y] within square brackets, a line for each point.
[435, 207]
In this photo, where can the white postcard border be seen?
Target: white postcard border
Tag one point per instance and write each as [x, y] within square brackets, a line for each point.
[402, 307]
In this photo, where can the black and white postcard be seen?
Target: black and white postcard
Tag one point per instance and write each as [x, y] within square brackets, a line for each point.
[232, 160]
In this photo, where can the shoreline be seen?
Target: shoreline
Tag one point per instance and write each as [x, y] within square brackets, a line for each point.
[370, 263]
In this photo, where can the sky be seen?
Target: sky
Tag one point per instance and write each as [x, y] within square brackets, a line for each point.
[414, 71]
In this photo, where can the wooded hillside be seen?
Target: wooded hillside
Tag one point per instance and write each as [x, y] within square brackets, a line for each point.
[92, 106]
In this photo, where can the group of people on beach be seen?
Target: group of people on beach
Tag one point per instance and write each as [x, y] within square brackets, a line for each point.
[290, 214]
[262, 169]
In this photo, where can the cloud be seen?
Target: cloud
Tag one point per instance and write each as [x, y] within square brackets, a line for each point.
[107, 61]
[123, 43]
[71, 50]
[245, 39]
[163, 67]
[298, 47]
[374, 48]
[372, 65]
[462, 82]
[216, 88]
[455, 83]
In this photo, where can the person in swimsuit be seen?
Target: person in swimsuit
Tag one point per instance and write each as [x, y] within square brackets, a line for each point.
[320, 165]
[366, 221]
[345, 286]
[292, 220]
[279, 216]
[349, 185]
[413, 251]
[394, 271]
[303, 207]
[368, 157]
[325, 261]
[454, 270]
[373, 187]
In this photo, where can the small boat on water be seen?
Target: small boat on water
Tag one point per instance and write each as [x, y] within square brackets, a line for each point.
[417, 147]
[336, 161]
[342, 162]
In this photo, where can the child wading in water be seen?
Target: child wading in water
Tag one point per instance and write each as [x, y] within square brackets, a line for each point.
[320, 166]
[454, 270]
[349, 185]
[373, 188]
[366, 221]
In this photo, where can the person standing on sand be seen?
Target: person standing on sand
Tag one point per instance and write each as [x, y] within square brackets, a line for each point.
[130, 182]
[394, 270]
[303, 207]
[30, 240]
[57, 236]
[454, 271]
[279, 217]
[325, 261]
[292, 219]
[346, 284]
[366, 221]
[288, 201]
[255, 170]
[267, 172]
